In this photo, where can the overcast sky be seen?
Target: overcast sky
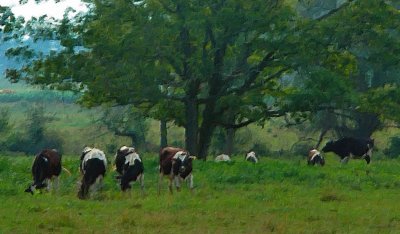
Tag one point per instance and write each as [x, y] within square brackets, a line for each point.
[49, 7]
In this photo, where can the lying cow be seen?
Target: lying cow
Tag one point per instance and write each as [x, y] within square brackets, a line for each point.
[315, 157]
[129, 165]
[46, 168]
[93, 168]
[349, 147]
[176, 164]
[251, 157]
[223, 158]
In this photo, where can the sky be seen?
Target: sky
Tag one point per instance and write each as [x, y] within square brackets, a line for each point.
[48, 7]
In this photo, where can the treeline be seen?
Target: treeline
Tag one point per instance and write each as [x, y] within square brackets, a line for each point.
[217, 65]
[32, 135]
[39, 96]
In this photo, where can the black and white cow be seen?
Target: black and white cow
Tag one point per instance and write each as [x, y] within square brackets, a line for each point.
[93, 168]
[315, 157]
[45, 169]
[130, 167]
[251, 157]
[349, 147]
[176, 164]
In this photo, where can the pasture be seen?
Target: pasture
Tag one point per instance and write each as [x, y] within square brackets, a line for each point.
[276, 195]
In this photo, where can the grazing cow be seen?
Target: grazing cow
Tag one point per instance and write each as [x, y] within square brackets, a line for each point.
[349, 147]
[251, 157]
[93, 168]
[315, 157]
[176, 163]
[46, 167]
[223, 158]
[129, 165]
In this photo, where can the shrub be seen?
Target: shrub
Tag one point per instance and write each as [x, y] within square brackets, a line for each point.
[394, 148]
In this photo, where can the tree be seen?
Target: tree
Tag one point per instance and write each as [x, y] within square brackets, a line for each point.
[126, 121]
[206, 63]
[202, 56]
[365, 31]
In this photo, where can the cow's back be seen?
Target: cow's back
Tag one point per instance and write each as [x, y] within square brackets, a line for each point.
[51, 162]
[166, 155]
[354, 146]
[357, 147]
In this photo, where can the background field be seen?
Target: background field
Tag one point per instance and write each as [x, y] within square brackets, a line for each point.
[282, 196]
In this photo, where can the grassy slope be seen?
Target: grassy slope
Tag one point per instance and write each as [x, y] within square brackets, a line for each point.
[274, 196]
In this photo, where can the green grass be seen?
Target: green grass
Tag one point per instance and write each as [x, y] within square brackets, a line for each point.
[282, 196]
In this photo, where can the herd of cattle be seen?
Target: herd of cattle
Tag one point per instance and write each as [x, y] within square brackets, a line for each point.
[174, 163]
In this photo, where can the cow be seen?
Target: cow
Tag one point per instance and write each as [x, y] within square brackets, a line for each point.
[223, 158]
[176, 164]
[129, 165]
[46, 168]
[93, 164]
[349, 147]
[315, 157]
[251, 157]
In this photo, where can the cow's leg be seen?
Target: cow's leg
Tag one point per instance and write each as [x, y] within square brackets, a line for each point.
[55, 183]
[177, 180]
[170, 179]
[345, 160]
[190, 182]
[141, 181]
[159, 182]
[99, 182]
[48, 184]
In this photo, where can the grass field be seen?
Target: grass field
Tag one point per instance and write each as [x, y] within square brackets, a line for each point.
[276, 195]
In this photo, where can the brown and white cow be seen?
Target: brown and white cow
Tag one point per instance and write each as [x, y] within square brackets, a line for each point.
[130, 167]
[251, 157]
[93, 168]
[176, 164]
[315, 157]
[45, 169]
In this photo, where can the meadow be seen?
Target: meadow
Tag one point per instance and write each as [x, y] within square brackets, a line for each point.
[274, 196]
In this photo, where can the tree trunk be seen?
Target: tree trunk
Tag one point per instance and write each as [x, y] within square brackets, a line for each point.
[230, 137]
[206, 132]
[163, 134]
[321, 137]
[207, 129]
[363, 126]
[191, 126]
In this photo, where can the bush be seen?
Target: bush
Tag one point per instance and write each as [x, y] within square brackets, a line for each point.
[394, 148]
[35, 137]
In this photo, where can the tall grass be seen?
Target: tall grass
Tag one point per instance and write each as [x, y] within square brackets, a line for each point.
[283, 196]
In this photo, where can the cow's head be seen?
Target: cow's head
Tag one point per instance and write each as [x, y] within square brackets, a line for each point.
[120, 157]
[251, 157]
[182, 163]
[85, 151]
[367, 158]
[30, 189]
[315, 157]
[33, 187]
[329, 146]
[371, 143]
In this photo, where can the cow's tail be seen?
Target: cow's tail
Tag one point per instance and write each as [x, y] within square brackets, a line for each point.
[67, 171]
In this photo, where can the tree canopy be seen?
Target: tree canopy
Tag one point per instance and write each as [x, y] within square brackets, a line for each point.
[228, 63]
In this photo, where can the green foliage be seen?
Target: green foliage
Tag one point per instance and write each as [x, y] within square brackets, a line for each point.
[127, 121]
[34, 137]
[394, 148]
